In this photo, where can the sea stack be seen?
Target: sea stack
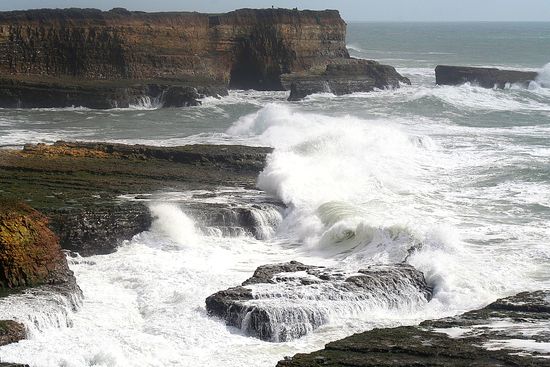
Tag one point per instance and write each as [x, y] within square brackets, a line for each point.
[484, 77]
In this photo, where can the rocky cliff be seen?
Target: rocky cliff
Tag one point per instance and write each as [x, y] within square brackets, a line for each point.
[118, 44]
[53, 57]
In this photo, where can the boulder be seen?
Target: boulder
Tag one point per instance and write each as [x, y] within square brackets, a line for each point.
[285, 301]
[347, 77]
[181, 97]
[11, 332]
[484, 77]
[484, 337]
[30, 254]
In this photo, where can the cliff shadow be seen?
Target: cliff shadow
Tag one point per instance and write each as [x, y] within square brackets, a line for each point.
[259, 60]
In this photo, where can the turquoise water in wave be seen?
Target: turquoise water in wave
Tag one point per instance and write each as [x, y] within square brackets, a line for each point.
[461, 172]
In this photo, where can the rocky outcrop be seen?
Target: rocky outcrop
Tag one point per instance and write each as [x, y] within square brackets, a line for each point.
[11, 332]
[484, 77]
[56, 58]
[54, 93]
[78, 186]
[30, 256]
[347, 77]
[29, 251]
[508, 332]
[282, 302]
[86, 57]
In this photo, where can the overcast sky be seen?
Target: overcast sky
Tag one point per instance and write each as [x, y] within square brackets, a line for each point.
[351, 10]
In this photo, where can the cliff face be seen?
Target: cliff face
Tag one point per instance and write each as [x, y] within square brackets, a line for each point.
[244, 48]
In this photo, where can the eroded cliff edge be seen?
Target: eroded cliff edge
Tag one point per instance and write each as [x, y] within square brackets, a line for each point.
[63, 57]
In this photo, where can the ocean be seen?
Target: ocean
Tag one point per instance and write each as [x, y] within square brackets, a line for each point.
[460, 173]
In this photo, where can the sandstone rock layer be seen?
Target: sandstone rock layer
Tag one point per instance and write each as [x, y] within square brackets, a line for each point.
[96, 59]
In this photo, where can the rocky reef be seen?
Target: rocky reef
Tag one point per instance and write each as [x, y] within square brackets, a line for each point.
[96, 59]
[484, 77]
[505, 333]
[281, 302]
[344, 78]
[78, 185]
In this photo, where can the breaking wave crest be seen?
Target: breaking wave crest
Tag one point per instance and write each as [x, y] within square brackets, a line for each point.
[366, 192]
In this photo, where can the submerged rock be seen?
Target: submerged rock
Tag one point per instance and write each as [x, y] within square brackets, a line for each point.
[282, 302]
[484, 77]
[485, 337]
[353, 75]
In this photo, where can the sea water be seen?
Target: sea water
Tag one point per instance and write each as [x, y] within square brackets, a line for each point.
[460, 173]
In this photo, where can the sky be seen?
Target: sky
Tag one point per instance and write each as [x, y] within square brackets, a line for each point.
[351, 10]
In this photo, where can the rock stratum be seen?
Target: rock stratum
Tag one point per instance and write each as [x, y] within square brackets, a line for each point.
[78, 185]
[484, 77]
[96, 59]
[511, 331]
[281, 302]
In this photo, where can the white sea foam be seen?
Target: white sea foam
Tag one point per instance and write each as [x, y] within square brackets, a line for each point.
[361, 190]
[544, 76]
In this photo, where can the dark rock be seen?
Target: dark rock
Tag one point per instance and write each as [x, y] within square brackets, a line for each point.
[99, 95]
[99, 229]
[78, 185]
[347, 77]
[285, 301]
[181, 97]
[484, 77]
[235, 219]
[525, 314]
[11, 332]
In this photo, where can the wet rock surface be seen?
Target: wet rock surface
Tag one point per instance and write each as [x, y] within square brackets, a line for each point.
[485, 337]
[484, 77]
[30, 254]
[282, 302]
[345, 77]
[11, 332]
[78, 185]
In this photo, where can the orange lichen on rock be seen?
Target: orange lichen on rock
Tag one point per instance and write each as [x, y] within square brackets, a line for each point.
[63, 150]
[30, 253]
